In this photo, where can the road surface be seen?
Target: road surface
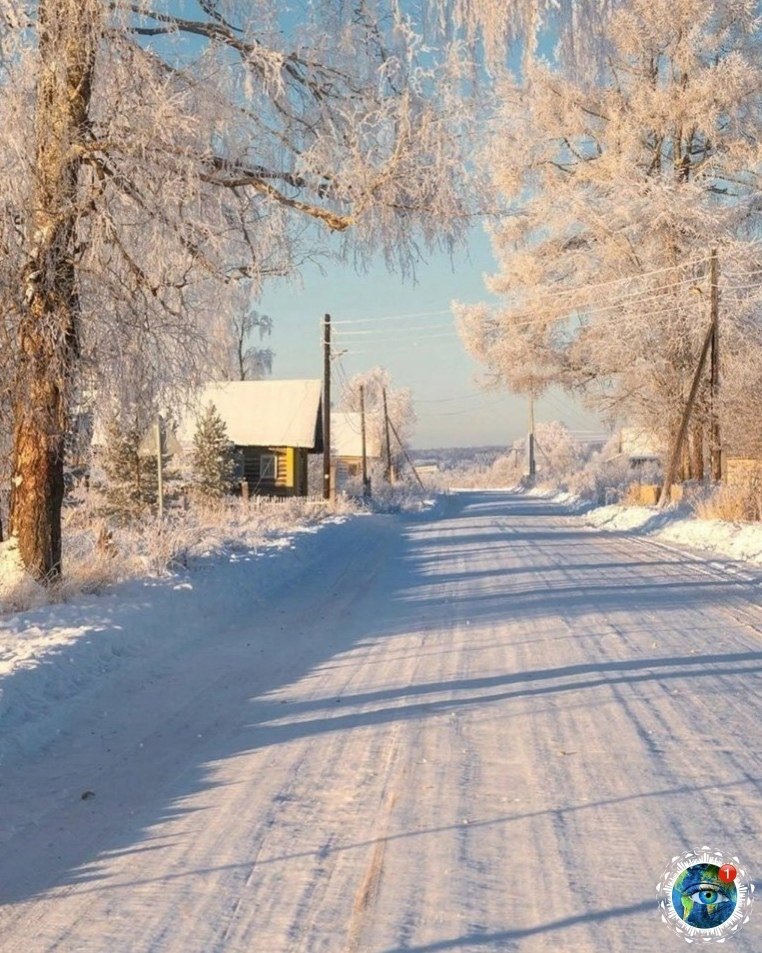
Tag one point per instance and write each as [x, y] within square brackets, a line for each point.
[486, 728]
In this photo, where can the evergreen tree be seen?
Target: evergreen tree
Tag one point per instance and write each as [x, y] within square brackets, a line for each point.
[212, 460]
[130, 488]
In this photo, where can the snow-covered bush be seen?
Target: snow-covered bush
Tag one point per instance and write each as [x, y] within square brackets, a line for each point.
[558, 453]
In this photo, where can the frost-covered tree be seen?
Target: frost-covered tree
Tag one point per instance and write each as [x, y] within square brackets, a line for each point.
[130, 478]
[240, 358]
[399, 404]
[621, 178]
[559, 454]
[212, 459]
[154, 153]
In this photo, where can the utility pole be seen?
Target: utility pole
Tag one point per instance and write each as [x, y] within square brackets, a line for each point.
[531, 467]
[407, 457]
[327, 407]
[669, 476]
[365, 483]
[389, 472]
[159, 469]
[715, 443]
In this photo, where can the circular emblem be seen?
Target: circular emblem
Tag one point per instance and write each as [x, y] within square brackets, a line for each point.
[705, 895]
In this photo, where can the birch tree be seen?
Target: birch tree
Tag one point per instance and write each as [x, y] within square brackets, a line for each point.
[154, 153]
[621, 178]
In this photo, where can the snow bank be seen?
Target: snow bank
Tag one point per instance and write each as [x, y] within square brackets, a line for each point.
[53, 657]
[739, 541]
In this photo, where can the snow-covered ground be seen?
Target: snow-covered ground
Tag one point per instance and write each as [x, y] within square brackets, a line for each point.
[485, 726]
[736, 541]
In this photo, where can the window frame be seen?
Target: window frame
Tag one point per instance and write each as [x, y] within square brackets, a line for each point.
[268, 461]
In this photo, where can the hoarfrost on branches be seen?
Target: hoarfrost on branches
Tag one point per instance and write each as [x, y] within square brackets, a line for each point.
[619, 184]
[155, 154]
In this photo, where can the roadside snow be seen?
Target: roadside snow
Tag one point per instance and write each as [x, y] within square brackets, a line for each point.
[17, 588]
[739, 541]
[56, 654]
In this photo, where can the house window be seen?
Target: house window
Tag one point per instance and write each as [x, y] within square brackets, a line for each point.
[268, 466]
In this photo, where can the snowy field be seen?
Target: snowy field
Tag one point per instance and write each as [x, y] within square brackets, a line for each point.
[487, 726]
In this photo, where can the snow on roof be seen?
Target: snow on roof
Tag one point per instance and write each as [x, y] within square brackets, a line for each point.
[638, 442]
[346, 436]
[262, 413]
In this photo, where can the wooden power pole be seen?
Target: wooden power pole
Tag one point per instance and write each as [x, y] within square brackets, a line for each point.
[674, 460]
[531, 466]
[159, 469]
[327, 407]
[365, 484]
[711, 343]
[715, 443]
[389, 472]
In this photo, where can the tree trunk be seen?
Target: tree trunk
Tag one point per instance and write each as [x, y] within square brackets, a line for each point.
[69, 31]
[697, 451]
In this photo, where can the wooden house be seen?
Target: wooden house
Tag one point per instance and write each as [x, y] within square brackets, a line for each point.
[274, 425]
[346, 444]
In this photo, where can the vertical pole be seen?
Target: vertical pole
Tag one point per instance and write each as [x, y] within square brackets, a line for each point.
[159, 469]
[389, 474]
[327, 407]
[365, 487]
[531, 466]
[407, 456]
[715, 443]
[669, 476]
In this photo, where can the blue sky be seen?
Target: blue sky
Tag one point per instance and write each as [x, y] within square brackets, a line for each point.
[422, 352]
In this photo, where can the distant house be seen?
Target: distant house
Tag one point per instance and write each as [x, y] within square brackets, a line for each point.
[273, 424]
[346, 444]
[426, 467]
[641, 446]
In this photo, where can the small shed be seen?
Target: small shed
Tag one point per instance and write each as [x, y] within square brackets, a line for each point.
[742, 459]
[273, 424]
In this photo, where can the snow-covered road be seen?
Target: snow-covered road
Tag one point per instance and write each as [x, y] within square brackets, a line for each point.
[482, 728]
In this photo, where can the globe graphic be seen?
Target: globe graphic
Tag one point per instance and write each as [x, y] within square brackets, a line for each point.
[701, 899]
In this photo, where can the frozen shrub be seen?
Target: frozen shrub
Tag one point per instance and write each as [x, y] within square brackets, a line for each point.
[735, 503]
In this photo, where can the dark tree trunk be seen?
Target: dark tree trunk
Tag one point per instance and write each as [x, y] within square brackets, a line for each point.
[69, 31]
[38, 483]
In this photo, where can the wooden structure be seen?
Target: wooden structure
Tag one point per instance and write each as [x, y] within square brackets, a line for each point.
[346, 445]
[274, 425]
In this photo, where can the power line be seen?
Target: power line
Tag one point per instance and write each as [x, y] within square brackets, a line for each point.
[406, 330]
[637, 277]
[466, 410]
[394, 317]
[443, 400]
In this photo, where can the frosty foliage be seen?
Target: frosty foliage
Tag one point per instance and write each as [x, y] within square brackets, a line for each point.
[399, 401]
[221, 143]
[559, 453]
[620, 178]
[212, 459]
[130, 479]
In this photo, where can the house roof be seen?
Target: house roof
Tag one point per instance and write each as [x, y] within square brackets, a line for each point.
[346, 436]
[640, 443]
[262, 413]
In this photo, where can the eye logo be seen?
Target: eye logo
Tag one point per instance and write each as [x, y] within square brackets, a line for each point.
[701, 899]
[704, 897]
